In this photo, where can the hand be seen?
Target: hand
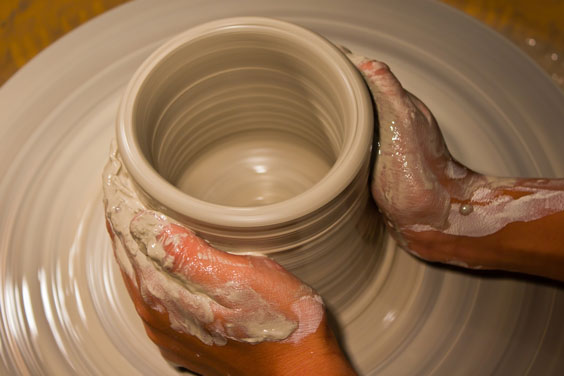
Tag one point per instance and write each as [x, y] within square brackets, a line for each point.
[440, 210]
[216, 313]
[414, 177]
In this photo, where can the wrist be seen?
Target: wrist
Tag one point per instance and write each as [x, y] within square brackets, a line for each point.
[318, 353]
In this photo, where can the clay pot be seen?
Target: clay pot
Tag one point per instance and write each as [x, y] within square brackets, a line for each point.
[256, 134]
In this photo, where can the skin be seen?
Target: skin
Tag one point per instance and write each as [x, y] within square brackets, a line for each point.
[416, 184]
[414, 158]
[317, 352]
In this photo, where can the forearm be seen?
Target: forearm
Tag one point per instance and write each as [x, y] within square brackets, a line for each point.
[532, 248]
[515, 225]
[317, 354]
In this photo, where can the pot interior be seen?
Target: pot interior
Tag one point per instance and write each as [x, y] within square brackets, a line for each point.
[242, 118]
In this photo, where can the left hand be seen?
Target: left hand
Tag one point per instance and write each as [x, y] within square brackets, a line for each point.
[217, 313]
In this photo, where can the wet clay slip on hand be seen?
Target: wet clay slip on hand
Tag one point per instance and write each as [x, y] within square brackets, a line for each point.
[65, 310]
[256, 133]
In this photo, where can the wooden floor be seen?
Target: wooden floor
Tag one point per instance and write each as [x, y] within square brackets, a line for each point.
[28, 26]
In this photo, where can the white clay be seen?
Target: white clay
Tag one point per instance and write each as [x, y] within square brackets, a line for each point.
[458, 263]
[455, 171]
[491, 215]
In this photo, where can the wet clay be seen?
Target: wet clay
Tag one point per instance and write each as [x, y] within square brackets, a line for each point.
[254, 168]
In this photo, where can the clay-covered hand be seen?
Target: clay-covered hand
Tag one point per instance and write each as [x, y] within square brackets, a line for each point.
[213, 312]
[442, 211]
[219, 313]
[414, 176]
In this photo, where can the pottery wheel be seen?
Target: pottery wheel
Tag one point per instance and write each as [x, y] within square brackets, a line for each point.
[65, 310]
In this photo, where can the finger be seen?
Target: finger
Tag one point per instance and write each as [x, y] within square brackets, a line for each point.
[378, 76]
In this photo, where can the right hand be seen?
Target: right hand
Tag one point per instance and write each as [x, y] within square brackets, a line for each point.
[440, 210]
[414, 177]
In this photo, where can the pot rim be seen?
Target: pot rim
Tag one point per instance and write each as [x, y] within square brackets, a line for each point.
[351, 158]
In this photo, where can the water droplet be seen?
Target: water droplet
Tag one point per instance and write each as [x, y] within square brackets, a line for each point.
[466, 209]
